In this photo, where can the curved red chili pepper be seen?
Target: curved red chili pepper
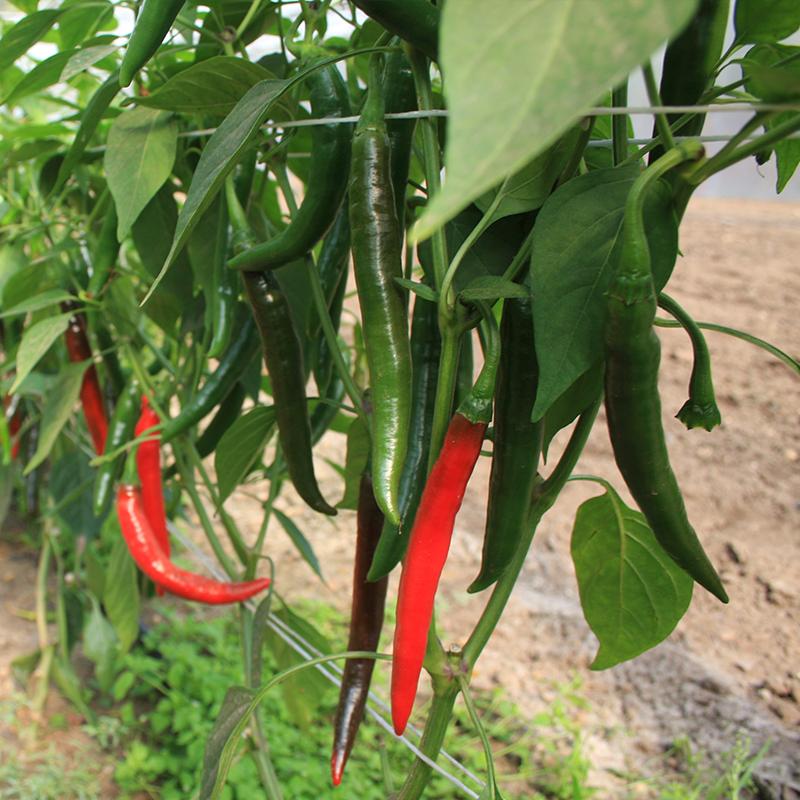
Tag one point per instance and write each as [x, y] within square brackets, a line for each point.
[13, 409]
[427, 552]
[149, 557]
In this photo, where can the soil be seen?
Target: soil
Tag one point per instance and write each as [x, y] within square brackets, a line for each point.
[727, 671]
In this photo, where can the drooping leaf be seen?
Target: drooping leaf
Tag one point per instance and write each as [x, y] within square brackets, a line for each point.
[299, 541]
[19, 38]
[517, 80]
[355, 462]
[121, 595]
[36, 341]
[765, 20]
[632, 593]
[241, 446]
[576, 247]
[141, 151]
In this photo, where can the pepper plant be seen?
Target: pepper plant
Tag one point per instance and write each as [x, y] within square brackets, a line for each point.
[185, 195]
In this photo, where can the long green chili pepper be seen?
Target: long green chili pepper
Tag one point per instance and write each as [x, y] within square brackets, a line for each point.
[120, 431]
[700, 410]
[377, 246]
[284, 360]
[426, 346]
[400, 95]
[224, 292]
[632, 401]
[466, 370]
[416, 21]
[517, 444]
[238, 357]
[152, 25]
[105, 252]
[330, 164]
[366, 622]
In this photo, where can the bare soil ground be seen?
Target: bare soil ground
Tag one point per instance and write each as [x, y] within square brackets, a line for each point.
[727, 670]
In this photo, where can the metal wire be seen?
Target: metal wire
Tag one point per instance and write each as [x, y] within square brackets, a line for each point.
[307, 651]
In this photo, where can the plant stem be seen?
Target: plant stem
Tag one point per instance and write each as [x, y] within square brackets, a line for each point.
[445, 391]
[662, 124]
[487, 747]
[619, 124]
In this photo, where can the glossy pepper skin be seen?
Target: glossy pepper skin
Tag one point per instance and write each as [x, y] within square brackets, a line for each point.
[152, 560]
[327, 181]
[283, 357]
[148, 467]
[152, 25]
[416, 21]
[94, 410]
[517, 444]
[633, 405]
[425, 558]
[237, 358]
[366, 622]
[120, 430]
[376, 246]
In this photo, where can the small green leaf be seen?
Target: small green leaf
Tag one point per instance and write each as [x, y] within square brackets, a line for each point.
[213, 86]
[36, 341]
[491, 287]
[47, 298]
[355, 462]
[121, 595]
[299, 541]
[57, 410]
[765, 20]
[420, 289]
[141, 151]
[85, 58]
[632, 593]
[241, 446]
[19, 38]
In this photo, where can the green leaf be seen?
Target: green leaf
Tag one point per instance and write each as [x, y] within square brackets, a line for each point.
[100, 645]
[420, 289]
[121, 595]
[765, 20]
[85, 58]
[491, 287]
[576, 247]
[632, 593]
[36, 341]
[787, 154]
[18, 39]
[214, 86]
[234, 708]
[141, 151]
[6, 488]
[241, 446]
[70, 484]
[44, 74]
[219, 157]
[39, 301]
[57, 410]
[766, 80]
[518, 79]
[299, 541]
[355, 462]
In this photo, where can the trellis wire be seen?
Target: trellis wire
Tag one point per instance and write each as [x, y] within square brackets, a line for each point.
[306, 650]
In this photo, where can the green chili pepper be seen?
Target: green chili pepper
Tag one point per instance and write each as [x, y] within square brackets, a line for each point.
[700, 410]
[284, 360]
[224, 291]
[120, 431]
[400, 95]
[105, 252]
[330, 164]
[416, 21]
[426, 346]
[152, 25]
[240, 354]
[517, 444]
[466, 370]
[632, 401]
[377, 246]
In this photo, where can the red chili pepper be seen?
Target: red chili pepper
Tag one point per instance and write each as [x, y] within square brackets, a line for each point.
[150, 558]
[148, 467]
[94, 409]
[425, 558]
[13, 410]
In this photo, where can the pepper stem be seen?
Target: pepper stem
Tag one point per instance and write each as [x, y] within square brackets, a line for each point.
[477, 406]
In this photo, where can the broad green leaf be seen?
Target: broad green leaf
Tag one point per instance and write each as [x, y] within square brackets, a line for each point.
[90, 119]
[141, 151]
[44, 74]
[768, 81]
[241, 446]
[36, 341]
[491, 287]
[39, 301]
[299, 541]
[766, 20]
[576, 247]
[57, 410]
[100, 645]
[234, 707]
[632, 593]
[214, 86]
[219, 157]
[82, 21]
[355, 462]
[70, 484]
[787, 154]
[18, 39]
[85, 58]
[121, 595]
[518, 79]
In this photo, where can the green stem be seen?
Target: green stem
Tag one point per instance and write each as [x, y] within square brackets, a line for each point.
[275, 484]
[491, 780]
[282, 176]
[544, 496]
[445, 390]
[619, 124]
[521, 258]
[662, 124]
[248, 17]
[41, 593]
